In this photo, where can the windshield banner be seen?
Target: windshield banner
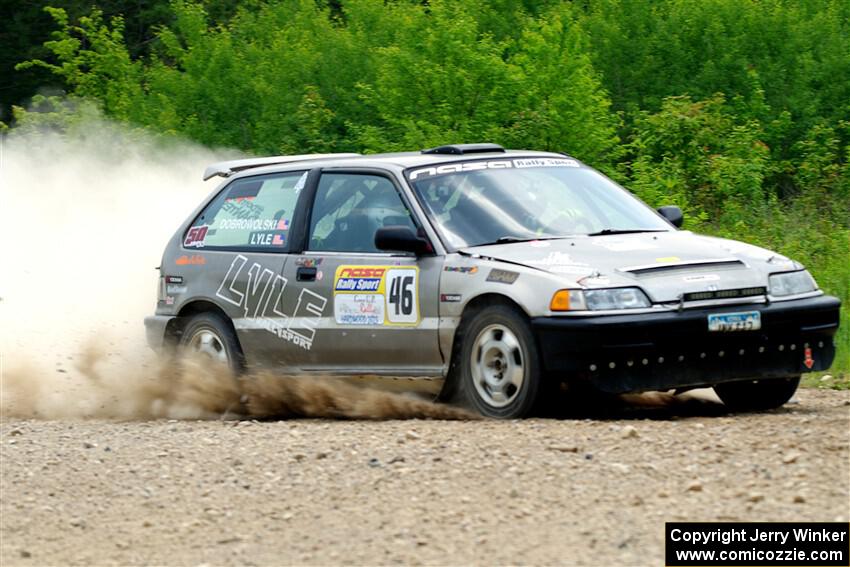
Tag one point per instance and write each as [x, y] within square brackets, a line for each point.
[490, 164]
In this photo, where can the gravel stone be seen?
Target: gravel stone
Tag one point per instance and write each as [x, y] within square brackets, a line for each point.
[789, 458]
[629, 432]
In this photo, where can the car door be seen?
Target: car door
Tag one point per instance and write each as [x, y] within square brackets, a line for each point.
[243, 235]
[365, 310]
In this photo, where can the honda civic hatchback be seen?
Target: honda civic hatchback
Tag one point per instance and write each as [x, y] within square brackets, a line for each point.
[485, 274]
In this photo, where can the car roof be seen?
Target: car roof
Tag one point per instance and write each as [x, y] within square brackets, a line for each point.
[399, 160]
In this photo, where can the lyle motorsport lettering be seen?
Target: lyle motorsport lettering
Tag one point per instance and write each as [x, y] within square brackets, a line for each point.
[259, 292]
[271, 238]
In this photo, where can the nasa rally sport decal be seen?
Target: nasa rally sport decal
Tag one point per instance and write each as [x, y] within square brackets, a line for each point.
[376, 295]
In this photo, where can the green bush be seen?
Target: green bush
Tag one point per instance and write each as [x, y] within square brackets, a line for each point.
[737, 111]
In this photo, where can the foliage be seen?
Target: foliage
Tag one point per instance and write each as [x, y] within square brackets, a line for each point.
[701, 156]
[738, 111]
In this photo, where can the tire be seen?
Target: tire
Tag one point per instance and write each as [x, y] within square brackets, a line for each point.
[497, 366]
[757, 395]
[210, 334]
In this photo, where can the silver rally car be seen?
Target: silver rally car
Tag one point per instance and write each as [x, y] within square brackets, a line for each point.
[495, 274]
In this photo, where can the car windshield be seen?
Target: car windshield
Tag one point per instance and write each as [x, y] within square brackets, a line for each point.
[512, 200]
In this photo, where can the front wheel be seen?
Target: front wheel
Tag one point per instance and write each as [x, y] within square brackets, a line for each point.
[498, 369]
[756, 395]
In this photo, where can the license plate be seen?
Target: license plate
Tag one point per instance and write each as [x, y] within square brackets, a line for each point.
[726, 322]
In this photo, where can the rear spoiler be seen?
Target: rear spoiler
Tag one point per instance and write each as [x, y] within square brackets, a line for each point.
[228, 168]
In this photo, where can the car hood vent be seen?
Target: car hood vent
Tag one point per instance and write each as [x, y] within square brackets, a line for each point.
[655, 269]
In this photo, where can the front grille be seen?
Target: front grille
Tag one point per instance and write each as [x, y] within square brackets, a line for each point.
[725, 294]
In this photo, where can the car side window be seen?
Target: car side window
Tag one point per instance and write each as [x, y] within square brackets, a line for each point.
[349, 209]
[253, 213]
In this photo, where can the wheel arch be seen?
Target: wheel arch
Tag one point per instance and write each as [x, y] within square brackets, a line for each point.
[470, 309]
[174, 329]
[481, 302]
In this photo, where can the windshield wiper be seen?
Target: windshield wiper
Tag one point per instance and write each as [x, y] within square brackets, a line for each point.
[606, 231]
[512, 239]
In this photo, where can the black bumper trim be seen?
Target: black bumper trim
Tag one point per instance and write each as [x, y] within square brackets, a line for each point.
[659, 351]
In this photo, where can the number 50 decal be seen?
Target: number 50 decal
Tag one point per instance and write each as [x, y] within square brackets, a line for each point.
[402, 296]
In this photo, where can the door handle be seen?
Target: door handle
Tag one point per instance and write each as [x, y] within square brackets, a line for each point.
[305, 274]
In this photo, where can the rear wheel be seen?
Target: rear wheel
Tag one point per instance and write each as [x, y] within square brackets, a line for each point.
[209, 335]
[498, 369]
[755, 395]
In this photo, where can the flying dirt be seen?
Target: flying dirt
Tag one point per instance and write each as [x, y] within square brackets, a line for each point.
[84, 218]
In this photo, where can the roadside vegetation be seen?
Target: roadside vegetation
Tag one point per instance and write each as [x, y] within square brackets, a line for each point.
[737, 111]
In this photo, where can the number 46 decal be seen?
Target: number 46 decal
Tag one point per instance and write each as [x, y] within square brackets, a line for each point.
[403, 296]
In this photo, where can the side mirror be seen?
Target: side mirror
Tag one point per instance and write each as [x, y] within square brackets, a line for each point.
[401, 239]
[673, 214]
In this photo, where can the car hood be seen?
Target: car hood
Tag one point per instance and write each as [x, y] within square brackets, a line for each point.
[664, 264]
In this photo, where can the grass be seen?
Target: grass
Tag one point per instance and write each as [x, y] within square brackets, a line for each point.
[826, 381]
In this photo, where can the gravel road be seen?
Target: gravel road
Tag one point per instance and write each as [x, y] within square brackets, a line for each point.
[570, 491]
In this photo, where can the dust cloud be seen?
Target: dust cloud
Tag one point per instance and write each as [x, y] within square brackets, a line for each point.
[84, 217]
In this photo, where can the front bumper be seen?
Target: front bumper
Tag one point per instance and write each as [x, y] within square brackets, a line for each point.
[155, 328]
[660, 351]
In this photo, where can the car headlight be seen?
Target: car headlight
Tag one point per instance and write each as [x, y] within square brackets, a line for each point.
[792, 283]
[599, 299]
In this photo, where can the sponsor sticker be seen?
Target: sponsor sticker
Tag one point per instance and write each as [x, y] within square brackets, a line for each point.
[502, 276]
[196, 236]
[545, 162]
[242, 208]
[245, 190]
[491, 164]
[359, 309]
[451, 297]
[462, 269]
[376, 295]
[195, 260]
[701, 278]
[556, 259]
[299, 185]
[624, 245]
[359, 279]
[308, 262]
